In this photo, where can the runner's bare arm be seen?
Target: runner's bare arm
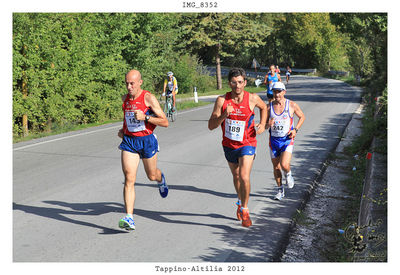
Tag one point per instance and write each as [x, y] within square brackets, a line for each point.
[217, 117]
[259, 103]
[159, 119]
[121, 131]
[266, 79]
[299, 113]
[270, 121]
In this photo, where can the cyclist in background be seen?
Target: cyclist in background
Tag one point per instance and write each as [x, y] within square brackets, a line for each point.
[172, 86]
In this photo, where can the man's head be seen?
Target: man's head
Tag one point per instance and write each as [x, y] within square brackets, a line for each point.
[237, 80]
[278, 89]
[272, 68]
[170, 74]
[234, 72]
[133, 81]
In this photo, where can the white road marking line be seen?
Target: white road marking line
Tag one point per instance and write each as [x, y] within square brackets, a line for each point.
[61, 138]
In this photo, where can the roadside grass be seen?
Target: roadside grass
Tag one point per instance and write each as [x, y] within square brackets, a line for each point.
[350, 79]
[301, 218]
[60, 129]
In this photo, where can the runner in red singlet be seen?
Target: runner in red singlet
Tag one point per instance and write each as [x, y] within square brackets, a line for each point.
[142, 113]
[234, 111]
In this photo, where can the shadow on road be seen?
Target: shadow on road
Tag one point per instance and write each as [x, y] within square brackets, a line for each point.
[95, 209]
[84, 209]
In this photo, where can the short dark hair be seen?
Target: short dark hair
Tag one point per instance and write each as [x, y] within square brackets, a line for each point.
[234, 72]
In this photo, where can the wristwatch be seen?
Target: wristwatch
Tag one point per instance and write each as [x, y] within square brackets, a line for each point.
[296, 130]
[147, 118]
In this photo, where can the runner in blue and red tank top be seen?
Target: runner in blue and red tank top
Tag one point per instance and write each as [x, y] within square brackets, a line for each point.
[234, 111]
[131, 126]
[241, 119]
[142, 113]
[271, 77]
[282, 133]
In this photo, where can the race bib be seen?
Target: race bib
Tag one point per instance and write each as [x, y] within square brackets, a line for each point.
[234, 129]
[133, 124]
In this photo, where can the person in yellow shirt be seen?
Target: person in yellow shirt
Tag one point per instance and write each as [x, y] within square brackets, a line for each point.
[172, 86]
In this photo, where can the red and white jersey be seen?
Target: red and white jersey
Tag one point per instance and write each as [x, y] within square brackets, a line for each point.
[132, 126]
[283, 123]
[238, 128]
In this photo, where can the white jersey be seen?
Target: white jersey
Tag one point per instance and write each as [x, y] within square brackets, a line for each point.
[283, 123]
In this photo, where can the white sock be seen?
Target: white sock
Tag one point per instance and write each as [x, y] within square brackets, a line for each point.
[129, 215]
[288, 174]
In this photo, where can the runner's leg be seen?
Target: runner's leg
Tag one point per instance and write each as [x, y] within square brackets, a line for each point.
[245, 165]
[285, 163]
[150, 166]
[277, 170]
[235, 173]
[285, 159]
[130, 162]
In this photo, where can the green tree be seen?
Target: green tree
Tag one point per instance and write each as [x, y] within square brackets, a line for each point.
[367, 33]
[306, 40]
[222, 34]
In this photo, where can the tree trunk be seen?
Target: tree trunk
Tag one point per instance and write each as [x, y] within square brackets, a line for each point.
[218, 68]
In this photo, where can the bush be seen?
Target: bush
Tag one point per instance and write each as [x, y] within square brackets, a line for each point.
[190, 73]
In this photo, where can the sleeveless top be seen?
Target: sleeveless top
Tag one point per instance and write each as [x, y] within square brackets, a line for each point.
[238, 128]
[273, 79]
[283, 123]
[132, 126]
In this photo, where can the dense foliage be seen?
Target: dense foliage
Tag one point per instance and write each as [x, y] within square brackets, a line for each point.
[69, 67]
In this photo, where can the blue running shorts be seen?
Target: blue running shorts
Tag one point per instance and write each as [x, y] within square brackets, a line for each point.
[278, 145]
[146, 146]
[233, 155]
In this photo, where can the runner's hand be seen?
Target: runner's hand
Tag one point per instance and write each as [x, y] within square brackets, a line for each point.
[292, 133]
[271, 122]
[139, 115]
[229, 109]
[121, 133]
[260, 128]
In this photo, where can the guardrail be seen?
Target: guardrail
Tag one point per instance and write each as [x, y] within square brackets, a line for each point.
[341, 73]
[224, 72]
[295, 70]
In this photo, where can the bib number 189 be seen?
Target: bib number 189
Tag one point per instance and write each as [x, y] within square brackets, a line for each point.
[234, 129]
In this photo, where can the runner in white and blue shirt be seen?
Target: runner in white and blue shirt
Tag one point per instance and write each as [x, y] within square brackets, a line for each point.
[282, 133]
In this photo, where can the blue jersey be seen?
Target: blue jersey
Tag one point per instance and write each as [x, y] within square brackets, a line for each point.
[273, 78]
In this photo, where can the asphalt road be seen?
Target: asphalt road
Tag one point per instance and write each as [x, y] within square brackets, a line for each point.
[67, 189]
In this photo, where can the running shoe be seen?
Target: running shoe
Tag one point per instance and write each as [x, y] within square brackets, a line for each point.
[127, 223]
[163, 187]
[280, 195]
[246, 222]
[238, 212]
[290, 181]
